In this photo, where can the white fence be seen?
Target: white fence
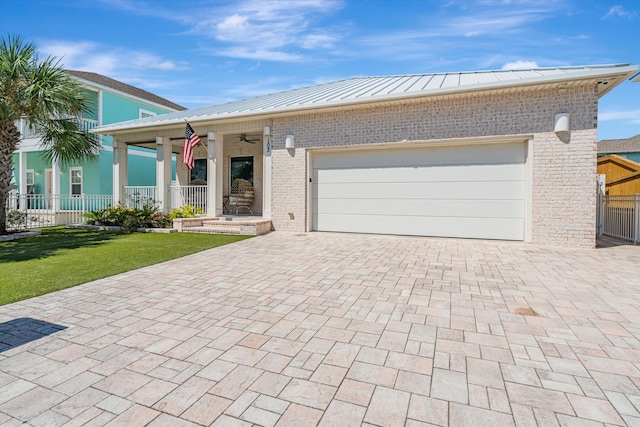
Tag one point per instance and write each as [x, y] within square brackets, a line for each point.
[46, 210]
[619, 217]
[140, 196]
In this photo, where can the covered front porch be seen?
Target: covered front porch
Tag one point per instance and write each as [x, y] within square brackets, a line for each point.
[231, 174]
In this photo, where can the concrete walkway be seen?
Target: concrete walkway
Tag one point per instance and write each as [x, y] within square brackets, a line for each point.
[335, 330]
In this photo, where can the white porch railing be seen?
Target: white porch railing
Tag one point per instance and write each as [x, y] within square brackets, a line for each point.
[620, 217]
[46, 210]
[181, 195]
[140, 196]
[194, 195]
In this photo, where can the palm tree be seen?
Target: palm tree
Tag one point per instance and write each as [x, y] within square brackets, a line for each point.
[38, 91]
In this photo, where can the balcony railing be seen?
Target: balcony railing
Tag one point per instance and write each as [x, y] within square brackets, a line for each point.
[27, 132]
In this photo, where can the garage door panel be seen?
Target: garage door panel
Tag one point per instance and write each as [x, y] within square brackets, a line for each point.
[474, 154]
[424, 207]
[421, 174]
[477, 228]
[427, 190]
[473, 191]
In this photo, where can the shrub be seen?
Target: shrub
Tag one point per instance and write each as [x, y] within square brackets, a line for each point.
[129, 219]
[17, 220]
[187, 211]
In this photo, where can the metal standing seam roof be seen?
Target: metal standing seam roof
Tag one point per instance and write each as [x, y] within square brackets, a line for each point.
[357, 90]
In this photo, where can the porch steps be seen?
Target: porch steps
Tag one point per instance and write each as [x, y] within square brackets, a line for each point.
[230, 225]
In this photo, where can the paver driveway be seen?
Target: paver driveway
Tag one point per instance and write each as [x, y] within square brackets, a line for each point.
[335, 329]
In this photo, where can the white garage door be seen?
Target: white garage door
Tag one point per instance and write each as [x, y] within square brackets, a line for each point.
[475, 191]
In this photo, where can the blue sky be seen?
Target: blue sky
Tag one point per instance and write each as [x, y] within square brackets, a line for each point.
[198, 52]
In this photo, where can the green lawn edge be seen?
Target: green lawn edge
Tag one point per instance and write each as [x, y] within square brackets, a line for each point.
[61, 258]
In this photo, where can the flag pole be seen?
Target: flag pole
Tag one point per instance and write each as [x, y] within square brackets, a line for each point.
[200, 140]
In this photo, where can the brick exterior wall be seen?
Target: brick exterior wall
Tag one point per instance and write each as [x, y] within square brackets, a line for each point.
[564, 169]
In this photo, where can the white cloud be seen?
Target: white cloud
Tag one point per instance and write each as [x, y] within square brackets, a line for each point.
[249, 29]
[258, 54]
[626, 115]
[106, 60]
[313, 41]
[270, 30]
[520, 65]
[619, 12]
[474, 28]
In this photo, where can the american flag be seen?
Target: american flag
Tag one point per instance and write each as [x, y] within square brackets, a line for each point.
[191, 140]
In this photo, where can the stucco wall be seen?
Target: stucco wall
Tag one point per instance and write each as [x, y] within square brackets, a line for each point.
[563, 169]
[117, 108]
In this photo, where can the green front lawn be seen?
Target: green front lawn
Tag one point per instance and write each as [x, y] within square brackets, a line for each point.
[61, 258]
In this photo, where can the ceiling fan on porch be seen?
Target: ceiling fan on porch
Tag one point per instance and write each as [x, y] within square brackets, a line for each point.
[243, 138]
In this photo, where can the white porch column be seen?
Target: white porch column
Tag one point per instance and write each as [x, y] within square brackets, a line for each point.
[215, 165]
[120, 171]
[266, 172]
[55, 185]
[163, 173]
[182, 173]
[22, 172]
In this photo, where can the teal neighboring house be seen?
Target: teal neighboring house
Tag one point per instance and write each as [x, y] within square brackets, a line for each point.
[112, 102]
[628, 148]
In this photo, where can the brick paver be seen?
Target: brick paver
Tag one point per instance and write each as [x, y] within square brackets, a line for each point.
[336, 329]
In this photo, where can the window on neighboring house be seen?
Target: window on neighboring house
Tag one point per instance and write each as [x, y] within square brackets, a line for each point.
[76, 180]
[145, 113]
[30, 181]
[242, 167]
[30, 177]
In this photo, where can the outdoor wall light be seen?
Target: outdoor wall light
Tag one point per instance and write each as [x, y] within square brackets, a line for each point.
[289, 142]
[266, 131]
[211, 136]
[561, 123]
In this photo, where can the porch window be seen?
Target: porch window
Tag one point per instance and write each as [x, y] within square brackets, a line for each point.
[242, 167]
[199, 171]
[76, 180]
